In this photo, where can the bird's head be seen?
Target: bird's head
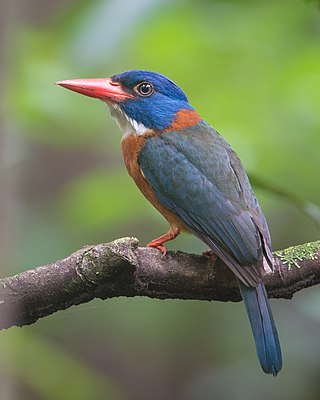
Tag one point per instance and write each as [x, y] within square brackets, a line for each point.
[139, 100]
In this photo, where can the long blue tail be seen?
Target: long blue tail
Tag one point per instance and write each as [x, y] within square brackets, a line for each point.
[263, 327]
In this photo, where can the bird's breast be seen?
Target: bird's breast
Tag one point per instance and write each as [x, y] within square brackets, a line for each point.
[131, 147]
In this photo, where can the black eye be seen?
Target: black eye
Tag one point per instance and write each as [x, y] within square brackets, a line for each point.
[145, 89]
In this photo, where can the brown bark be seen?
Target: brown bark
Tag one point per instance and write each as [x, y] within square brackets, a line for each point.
[121, 268]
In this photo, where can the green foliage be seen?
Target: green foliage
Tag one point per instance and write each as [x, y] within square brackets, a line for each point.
[55, 374]
[100, 199]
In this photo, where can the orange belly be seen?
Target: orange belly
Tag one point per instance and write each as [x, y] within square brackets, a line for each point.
[131, 147]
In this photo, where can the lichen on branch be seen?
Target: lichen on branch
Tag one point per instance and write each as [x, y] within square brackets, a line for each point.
[293, 255]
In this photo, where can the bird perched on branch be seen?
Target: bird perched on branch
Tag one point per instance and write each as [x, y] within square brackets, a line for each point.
[196, 181]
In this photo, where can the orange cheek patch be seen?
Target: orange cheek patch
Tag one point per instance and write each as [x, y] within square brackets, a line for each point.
[184, 119]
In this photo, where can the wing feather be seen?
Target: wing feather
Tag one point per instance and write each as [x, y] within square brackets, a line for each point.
[211, 195]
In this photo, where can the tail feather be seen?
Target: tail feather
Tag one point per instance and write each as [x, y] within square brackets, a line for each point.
[263, 327]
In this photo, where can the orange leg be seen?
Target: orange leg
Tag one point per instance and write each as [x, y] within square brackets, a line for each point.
[158, 242]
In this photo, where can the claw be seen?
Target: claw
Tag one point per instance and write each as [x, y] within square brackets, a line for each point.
[158, 242]
[157, 245]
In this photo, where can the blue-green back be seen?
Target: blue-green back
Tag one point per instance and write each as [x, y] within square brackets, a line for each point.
[196, 174]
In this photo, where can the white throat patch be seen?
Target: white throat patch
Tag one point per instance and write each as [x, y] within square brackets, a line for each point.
[127, 125]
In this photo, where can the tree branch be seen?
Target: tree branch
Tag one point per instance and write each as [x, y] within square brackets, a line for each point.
[121, 268]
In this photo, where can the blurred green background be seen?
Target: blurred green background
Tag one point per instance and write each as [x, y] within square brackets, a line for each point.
[252, 69]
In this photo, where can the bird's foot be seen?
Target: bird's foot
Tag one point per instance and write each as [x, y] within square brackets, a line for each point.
[209, 253]
[157, 245]
[158, 242]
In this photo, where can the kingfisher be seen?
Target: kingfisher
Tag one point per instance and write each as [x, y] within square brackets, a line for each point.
[192, 176]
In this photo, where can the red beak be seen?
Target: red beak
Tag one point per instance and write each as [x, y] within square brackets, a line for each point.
[101, 88]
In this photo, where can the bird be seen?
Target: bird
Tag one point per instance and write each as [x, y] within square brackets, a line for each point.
[193, 177]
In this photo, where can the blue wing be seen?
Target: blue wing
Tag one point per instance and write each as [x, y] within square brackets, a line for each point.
[196, 174]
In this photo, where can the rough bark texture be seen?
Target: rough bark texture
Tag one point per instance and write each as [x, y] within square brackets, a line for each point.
[121, 268]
